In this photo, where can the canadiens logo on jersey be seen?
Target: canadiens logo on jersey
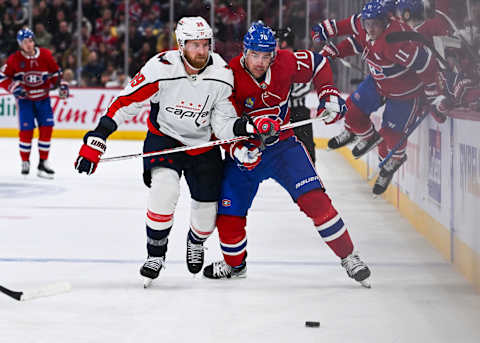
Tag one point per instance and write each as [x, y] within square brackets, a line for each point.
[33, 78]
[376, 70]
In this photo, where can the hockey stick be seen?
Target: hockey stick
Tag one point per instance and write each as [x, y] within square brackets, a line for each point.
[200, 146]
[402, 36]
[405, 136]
[53, 289]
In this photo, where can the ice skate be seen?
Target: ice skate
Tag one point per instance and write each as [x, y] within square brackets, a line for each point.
[386, 174]
[365, 145]
[195, 256]
[151, 268]
[25, 168]
[357, 269]
[221, 270]
[45, 170]
[344, 138]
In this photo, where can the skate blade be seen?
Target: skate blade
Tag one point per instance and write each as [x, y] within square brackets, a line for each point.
[44, 175]
[147, 282]
[365, 283]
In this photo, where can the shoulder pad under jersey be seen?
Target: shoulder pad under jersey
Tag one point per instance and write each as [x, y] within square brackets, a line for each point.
[219, 70]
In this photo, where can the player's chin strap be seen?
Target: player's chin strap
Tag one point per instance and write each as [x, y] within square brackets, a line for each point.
[204, 145]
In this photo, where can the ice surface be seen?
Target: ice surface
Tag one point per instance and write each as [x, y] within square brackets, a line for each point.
[89, 231]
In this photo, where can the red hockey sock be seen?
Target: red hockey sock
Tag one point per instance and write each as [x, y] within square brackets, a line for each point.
[357, 122]
[45, 136]
[391, 139]
[317, 205]
[233, 238]
[25, 144]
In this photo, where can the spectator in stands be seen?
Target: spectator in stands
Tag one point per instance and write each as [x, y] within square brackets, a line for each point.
[62, 38]
[69, 77]
[42, 37]
[17, 12]
[92, 70]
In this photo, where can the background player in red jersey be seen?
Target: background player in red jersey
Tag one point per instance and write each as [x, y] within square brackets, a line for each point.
[263, 80]
[29, 74]
[401, 76]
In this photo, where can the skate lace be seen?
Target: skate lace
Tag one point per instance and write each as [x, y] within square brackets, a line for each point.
[221, 269]
[343, 136]
[195, 252]
[25, 165]
[352, 264]
[154, 263]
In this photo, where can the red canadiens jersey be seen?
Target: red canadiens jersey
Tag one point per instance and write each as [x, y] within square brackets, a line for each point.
[439, 25]
[270, 96]
[400, 70]
[37, 73]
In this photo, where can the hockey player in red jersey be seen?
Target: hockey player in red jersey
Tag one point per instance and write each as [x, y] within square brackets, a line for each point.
[263, 79]
[401, 75]
[29, 74]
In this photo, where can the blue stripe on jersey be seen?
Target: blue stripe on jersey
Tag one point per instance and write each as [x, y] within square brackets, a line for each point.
[329, 231]
[421, 60]
[389, 71]
[283, 111]
[317, 61]
[238, 249]
[357, 48]
[154, 109]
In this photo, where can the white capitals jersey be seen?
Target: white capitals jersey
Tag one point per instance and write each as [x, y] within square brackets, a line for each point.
[184, 107]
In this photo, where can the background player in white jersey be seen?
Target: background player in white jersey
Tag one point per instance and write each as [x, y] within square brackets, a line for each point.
[189, 92]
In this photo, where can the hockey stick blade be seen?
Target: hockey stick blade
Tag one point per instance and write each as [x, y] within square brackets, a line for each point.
[49, 290]
[204, 145]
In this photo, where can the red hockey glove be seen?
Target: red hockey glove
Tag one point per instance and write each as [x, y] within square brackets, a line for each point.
[246, 155]
[437, 103]
[332, 107]
[329, 50]
[63, 90]
[324, 30]
[93, 148]
[267, 127]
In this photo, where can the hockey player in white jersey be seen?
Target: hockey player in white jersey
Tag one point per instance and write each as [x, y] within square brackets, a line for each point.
[189, 92]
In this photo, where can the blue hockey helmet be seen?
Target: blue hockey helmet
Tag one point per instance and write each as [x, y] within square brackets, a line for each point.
[388, 5]
[415, 8]
[23, 34]
[374, 10]
[259, 37]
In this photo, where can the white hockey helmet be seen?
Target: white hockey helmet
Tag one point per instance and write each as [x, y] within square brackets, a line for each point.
[191, 28]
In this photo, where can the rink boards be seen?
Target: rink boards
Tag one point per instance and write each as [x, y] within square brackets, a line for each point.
[437, 189]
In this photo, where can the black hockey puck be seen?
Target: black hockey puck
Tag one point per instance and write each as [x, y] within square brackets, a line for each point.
[309, 324]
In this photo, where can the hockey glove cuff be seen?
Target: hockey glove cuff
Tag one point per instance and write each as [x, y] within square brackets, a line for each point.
[18, 90]
[93, 148]
[324, 30]
[332, 107]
